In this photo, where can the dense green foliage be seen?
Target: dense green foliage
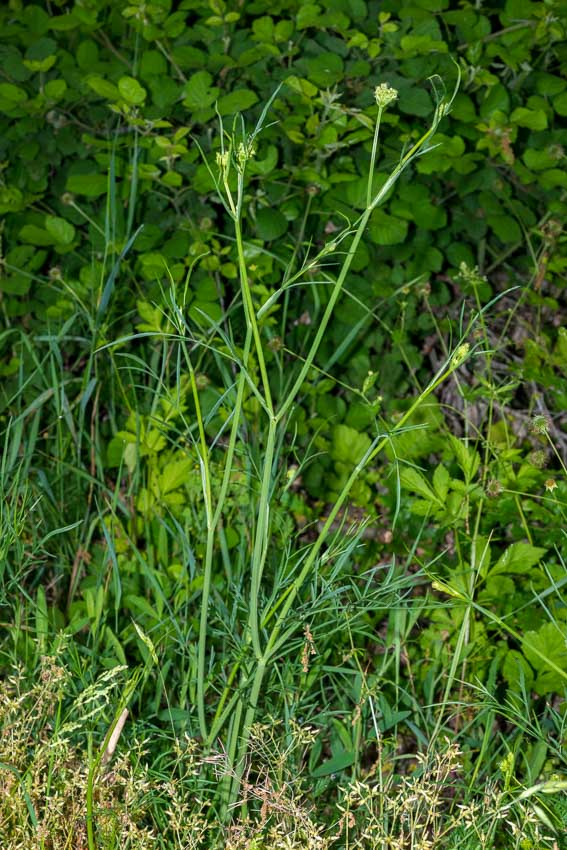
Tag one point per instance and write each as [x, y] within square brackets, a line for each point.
[139, 310]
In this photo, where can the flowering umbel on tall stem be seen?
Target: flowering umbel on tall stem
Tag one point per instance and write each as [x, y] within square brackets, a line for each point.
[384, 96]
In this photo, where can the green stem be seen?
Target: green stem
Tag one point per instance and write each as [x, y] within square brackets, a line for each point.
[211, 530]
[247, 727]
[262, 538]
[336, 291]
[251, 316]
[373, 157]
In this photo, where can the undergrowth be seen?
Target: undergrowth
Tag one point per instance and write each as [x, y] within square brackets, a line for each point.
[52, 787]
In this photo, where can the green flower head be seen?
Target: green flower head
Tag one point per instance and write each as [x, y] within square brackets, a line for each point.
[385, 95]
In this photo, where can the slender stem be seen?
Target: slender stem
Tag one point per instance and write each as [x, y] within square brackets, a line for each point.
[209, 551]
[251, 316]
[90, 795]
[336, 291]
[262, 537]
[247, 727]
[212, 525]
[373, 157]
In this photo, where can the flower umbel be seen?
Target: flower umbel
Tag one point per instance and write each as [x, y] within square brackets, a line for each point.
[385, 95]
[460, 354]
[223, 160]
[246, 150]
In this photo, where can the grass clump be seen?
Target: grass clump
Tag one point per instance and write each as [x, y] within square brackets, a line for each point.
[49, 788]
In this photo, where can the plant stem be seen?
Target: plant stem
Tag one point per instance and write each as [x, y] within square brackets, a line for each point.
[373, 157]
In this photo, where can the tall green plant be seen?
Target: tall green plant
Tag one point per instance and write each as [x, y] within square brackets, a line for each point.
[269, 628]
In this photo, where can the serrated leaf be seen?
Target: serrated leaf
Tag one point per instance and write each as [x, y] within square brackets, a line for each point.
[387, 229]
[467, 458]
[546, 650]
[413, 480]
[198, 92]
[441, 479]
[349, 446]
[518, 558]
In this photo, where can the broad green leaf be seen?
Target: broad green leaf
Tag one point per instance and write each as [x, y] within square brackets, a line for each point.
[90, 185]
[467, 457]
[302, 86]
[552, 178]
[560, 104]
[131, 90]
[349, 446]
[55, 89]
[505, 227]
[263, 28]
[11, 95]
[198, 93]
[416, 45]
[175, 474]
[205, 312]
[387, 229]
[270, 223]
[152, 64]
[497, 99]
[11, 199]
[534, 119]
[103, 87]
[549, 85]
[338, 762]
[237, 101]
[34, 235]
[441, 479]
[518, 558]
[413, 480]
[539, 160]
[326, 69]
[87, 54]
[415, 101]
[550, 641]
[63, 231]
[308, 16]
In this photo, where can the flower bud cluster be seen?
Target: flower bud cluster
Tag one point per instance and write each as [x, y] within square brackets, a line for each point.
[246, 150]
[385, 95]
